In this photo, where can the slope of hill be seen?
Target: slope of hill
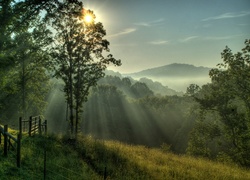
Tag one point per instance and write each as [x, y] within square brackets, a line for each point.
[94, 159]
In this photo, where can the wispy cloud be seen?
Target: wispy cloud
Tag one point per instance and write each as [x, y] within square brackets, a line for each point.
[150, 23]
[159, 42]
[125, 31]
[217, 38]
[189, 38]
[228, 15]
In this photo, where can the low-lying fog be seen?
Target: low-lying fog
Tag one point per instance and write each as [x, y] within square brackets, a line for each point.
[180, 83]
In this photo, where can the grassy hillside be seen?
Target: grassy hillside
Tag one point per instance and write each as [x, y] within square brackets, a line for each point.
[89, 158]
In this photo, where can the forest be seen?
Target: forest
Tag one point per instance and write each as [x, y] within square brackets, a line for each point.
[53, 57]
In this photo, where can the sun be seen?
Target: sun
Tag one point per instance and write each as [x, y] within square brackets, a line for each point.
[88, 18]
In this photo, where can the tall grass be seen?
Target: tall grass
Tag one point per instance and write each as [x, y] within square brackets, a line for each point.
[124, 161]
[93, 159]
[62, 162]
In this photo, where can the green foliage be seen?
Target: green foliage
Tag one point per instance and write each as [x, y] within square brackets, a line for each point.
[224, 158]
[23, 75]
[228, 97]
[77, 53]
[166, 148]
[62, 161]
[192, 89]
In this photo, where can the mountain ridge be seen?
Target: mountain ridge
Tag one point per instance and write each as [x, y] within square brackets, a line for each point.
[172, 70]
[176, 76]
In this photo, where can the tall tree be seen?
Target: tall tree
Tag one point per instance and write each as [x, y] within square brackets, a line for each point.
[78, 54]
[229, 96]
[22, 54]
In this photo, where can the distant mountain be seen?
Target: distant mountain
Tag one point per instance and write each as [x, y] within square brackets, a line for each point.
[175, 76]
[172, 70]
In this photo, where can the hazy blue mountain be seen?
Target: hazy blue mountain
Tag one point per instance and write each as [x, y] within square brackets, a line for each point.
[173, 70]
[175, 76]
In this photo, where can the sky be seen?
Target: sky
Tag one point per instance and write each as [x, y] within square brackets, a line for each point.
[150, 33]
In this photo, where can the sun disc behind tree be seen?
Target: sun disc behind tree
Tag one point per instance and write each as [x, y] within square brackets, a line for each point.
[88, 18]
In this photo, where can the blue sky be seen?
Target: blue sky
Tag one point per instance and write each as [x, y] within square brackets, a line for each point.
[151, 33]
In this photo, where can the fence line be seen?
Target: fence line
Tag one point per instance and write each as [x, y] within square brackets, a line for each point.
[58, 174]
[35, 125]
[7, 137]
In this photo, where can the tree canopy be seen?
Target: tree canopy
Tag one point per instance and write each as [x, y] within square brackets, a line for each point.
[43, 38]
[228, 96]
[78, 53]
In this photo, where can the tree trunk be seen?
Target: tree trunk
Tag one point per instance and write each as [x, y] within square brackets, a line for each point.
[23, 90]
[71, 98]
[77, 99]
[77, 119]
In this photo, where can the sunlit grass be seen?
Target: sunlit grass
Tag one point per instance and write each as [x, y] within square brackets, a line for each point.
[162, 165]
[62, 161]
[139, 162]
[88, 159]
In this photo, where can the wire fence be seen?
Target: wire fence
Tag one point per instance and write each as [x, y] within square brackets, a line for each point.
[50, 170]
[58, 175]
[67, 172]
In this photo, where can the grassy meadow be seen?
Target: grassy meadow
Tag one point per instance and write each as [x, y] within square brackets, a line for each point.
[95, 159]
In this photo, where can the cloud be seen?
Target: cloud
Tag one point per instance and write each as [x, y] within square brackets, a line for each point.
[218, 38]
[160, 42]
[150, 23]
[227, 15]
[125, 31]
[209, 38]
[189, 38]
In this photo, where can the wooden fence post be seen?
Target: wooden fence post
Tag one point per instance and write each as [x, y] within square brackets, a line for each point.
[45, 126]
[5, 140]
[44, 162]
[18, 158]
[20, 127]
[105, 173]
[39, 125]
[30, 124]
